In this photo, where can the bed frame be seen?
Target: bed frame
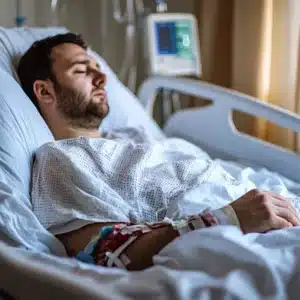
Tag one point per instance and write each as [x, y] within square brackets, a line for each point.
[212, 128]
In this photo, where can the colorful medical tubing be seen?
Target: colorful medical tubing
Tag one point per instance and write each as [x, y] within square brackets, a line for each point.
[107, 247]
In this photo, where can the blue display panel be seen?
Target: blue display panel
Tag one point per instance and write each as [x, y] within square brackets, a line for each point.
[166, 38]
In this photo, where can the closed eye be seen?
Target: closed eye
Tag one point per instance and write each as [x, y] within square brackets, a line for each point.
[80, 71]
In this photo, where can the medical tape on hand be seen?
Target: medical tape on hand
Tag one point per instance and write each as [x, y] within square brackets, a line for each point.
[117, 257]
[113, 257]
[184, 226]
[120, 259]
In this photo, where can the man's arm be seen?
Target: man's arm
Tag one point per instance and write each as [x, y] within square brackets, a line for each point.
[256, 212]
[264, 211]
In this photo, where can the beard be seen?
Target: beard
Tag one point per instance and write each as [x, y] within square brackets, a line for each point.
[80, 110]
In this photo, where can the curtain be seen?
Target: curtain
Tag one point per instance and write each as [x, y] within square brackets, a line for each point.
[253, 46]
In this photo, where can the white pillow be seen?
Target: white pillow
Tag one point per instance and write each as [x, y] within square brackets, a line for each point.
[22, 131]
[125, 108]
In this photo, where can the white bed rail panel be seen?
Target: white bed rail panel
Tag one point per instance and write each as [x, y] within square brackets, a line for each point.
[212, 128]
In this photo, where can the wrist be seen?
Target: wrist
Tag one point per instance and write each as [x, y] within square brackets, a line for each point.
[230, 216]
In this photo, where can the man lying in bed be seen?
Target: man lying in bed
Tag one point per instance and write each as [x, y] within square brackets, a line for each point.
[96, 191]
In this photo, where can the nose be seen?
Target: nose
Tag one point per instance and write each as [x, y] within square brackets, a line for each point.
[99, 79]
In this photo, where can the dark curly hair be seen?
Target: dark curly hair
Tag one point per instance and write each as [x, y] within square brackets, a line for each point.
[36, 63]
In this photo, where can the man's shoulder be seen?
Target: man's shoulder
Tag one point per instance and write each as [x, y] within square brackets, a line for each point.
[54, 148]
[136, 134]
[64, 143]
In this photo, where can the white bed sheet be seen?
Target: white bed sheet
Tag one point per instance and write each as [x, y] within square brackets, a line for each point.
[214, 263]
[264, 179]
[210, 263]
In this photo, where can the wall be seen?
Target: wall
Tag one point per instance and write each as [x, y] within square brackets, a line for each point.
[85, 17]
[215, 32]
[8, 12]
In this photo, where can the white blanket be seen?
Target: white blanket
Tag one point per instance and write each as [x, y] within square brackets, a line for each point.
[212, 263]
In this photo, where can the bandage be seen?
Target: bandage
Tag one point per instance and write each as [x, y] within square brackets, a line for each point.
[106, 248]
[183, 226]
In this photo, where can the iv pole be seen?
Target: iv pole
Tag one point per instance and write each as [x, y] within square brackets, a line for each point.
[19, 20]
[134, 8]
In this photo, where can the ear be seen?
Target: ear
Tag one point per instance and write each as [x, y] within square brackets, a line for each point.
[44, 91]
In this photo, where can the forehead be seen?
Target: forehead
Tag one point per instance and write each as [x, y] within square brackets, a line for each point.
[64, 54]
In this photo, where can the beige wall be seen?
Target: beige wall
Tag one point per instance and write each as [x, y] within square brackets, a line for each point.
[215, 31]
[8, 12]
[247, 46]
[265, 59]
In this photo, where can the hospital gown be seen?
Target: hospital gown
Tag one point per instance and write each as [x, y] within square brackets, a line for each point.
[125, 177]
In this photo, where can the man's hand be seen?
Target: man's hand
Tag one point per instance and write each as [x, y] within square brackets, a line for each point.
[263, 211]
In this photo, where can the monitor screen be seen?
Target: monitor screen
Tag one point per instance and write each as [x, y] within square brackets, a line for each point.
[166, 38]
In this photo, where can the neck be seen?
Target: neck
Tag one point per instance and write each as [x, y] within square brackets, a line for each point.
[62, 129]
[71, 132]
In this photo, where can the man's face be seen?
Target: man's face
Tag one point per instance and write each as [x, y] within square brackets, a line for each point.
[79, 86]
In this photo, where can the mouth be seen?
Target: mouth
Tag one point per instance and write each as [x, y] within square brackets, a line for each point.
[100, 94]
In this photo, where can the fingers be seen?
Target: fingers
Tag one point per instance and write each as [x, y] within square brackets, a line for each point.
[279, 223]
[286, 213]
[263, 211]
[282, 199]
[285, 204]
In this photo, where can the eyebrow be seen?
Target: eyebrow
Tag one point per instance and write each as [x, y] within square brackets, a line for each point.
[86, 62]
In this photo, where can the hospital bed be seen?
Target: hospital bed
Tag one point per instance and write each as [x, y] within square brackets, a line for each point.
[32, 265]
[221, 138]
